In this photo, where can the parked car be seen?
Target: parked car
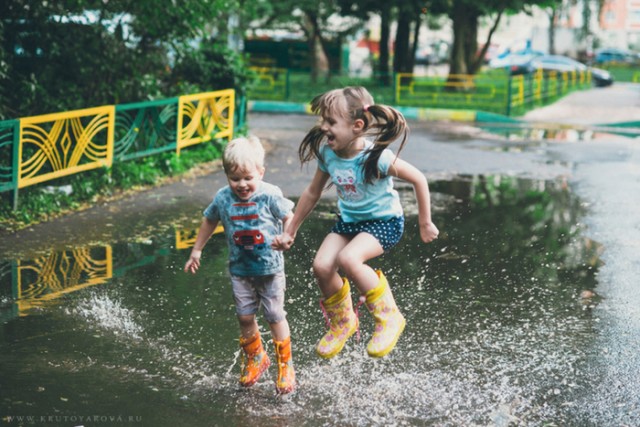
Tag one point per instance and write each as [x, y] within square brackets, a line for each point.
[515, 63]
[613, 55]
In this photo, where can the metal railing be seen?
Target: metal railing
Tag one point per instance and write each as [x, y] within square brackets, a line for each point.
[43, 148]
[494, 91]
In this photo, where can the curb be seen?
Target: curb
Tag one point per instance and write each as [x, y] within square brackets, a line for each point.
[414, 113]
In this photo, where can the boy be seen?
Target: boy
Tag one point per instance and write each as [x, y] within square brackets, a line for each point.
[252, 213]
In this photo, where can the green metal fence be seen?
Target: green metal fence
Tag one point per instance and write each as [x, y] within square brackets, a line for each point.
[492, 91]
[42, 148]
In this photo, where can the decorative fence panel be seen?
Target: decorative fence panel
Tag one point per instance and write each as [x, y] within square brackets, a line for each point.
[204, 116]
[60, 144]
[145, 128]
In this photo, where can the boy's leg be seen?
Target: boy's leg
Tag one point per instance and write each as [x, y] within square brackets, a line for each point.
[248, 325]
[272, 298]
[286, 381]
[255, 360]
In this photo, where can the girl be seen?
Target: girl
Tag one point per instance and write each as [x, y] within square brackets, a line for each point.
[350, 145]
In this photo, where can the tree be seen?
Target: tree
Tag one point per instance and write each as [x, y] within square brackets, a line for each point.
[466, 58]
[68, 54]
[315, 19]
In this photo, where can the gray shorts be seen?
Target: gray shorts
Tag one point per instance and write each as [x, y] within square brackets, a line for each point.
[251, 292]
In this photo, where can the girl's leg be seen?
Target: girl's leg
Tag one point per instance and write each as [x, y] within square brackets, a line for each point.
[338, 307]
[389, 322]
[325, 266]
[353, 257]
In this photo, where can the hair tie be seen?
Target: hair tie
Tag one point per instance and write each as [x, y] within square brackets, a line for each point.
[365, 107]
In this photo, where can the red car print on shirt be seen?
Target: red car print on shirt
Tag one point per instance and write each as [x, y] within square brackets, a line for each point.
[249, 239]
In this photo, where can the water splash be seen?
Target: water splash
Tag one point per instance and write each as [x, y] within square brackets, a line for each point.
[108, 314]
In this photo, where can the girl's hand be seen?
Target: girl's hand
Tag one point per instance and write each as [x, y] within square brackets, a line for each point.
[282, 242]
[194, 262]
[428, 232]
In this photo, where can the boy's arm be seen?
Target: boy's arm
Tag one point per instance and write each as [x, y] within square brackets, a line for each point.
[409, 173]
[307, 202]
[204, 233]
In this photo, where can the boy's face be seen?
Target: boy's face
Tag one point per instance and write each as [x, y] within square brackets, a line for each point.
[244, 181]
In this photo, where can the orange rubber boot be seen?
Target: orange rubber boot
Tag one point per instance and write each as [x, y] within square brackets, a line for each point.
[286, 381]
[254, 360]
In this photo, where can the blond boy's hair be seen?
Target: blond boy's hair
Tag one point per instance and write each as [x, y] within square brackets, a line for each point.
[243, 153]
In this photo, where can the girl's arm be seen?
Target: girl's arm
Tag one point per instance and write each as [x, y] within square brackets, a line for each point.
[409, 173]
[307, 202]
[206, 230]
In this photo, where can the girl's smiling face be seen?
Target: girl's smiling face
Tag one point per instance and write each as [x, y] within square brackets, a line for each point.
[244, 181]
[342, 134]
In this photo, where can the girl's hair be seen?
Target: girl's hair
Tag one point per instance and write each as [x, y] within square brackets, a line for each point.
[243, 153]
[385, 124]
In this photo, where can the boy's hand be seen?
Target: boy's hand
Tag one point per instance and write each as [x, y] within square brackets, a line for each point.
[282, 242]
[194, 262]
[428, 232]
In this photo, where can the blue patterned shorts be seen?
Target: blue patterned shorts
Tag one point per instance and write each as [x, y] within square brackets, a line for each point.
[387, 232]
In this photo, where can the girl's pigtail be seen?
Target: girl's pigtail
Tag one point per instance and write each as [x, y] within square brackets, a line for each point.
[388, 126]
[310, 146]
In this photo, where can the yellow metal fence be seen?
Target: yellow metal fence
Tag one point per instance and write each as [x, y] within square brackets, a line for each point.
[42, 148]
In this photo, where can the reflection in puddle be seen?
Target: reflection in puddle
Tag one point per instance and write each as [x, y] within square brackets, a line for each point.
[497, 330]
[560, 133]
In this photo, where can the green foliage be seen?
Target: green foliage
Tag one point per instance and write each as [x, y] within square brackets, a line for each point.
[72, 54]
[210, 66]
[41, 202]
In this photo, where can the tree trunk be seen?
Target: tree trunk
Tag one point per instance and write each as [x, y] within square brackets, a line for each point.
[319, 60]
[416, 37]
[471, 42]
[385, 32]
[401, 51]
[552, 31]
[458, 64]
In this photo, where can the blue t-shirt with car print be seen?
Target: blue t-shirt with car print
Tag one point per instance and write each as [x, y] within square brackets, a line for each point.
[250, 226]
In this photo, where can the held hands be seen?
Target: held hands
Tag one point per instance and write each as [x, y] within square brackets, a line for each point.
[283, 242]
[193, 264]
[428, 231]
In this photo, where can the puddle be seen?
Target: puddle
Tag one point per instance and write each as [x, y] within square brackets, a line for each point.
[536, 132]
[500, 325]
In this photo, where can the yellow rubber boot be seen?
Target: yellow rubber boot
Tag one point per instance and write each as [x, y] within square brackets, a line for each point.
[254, 361]
[342, 322]
[286, 381]
[389, 322]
